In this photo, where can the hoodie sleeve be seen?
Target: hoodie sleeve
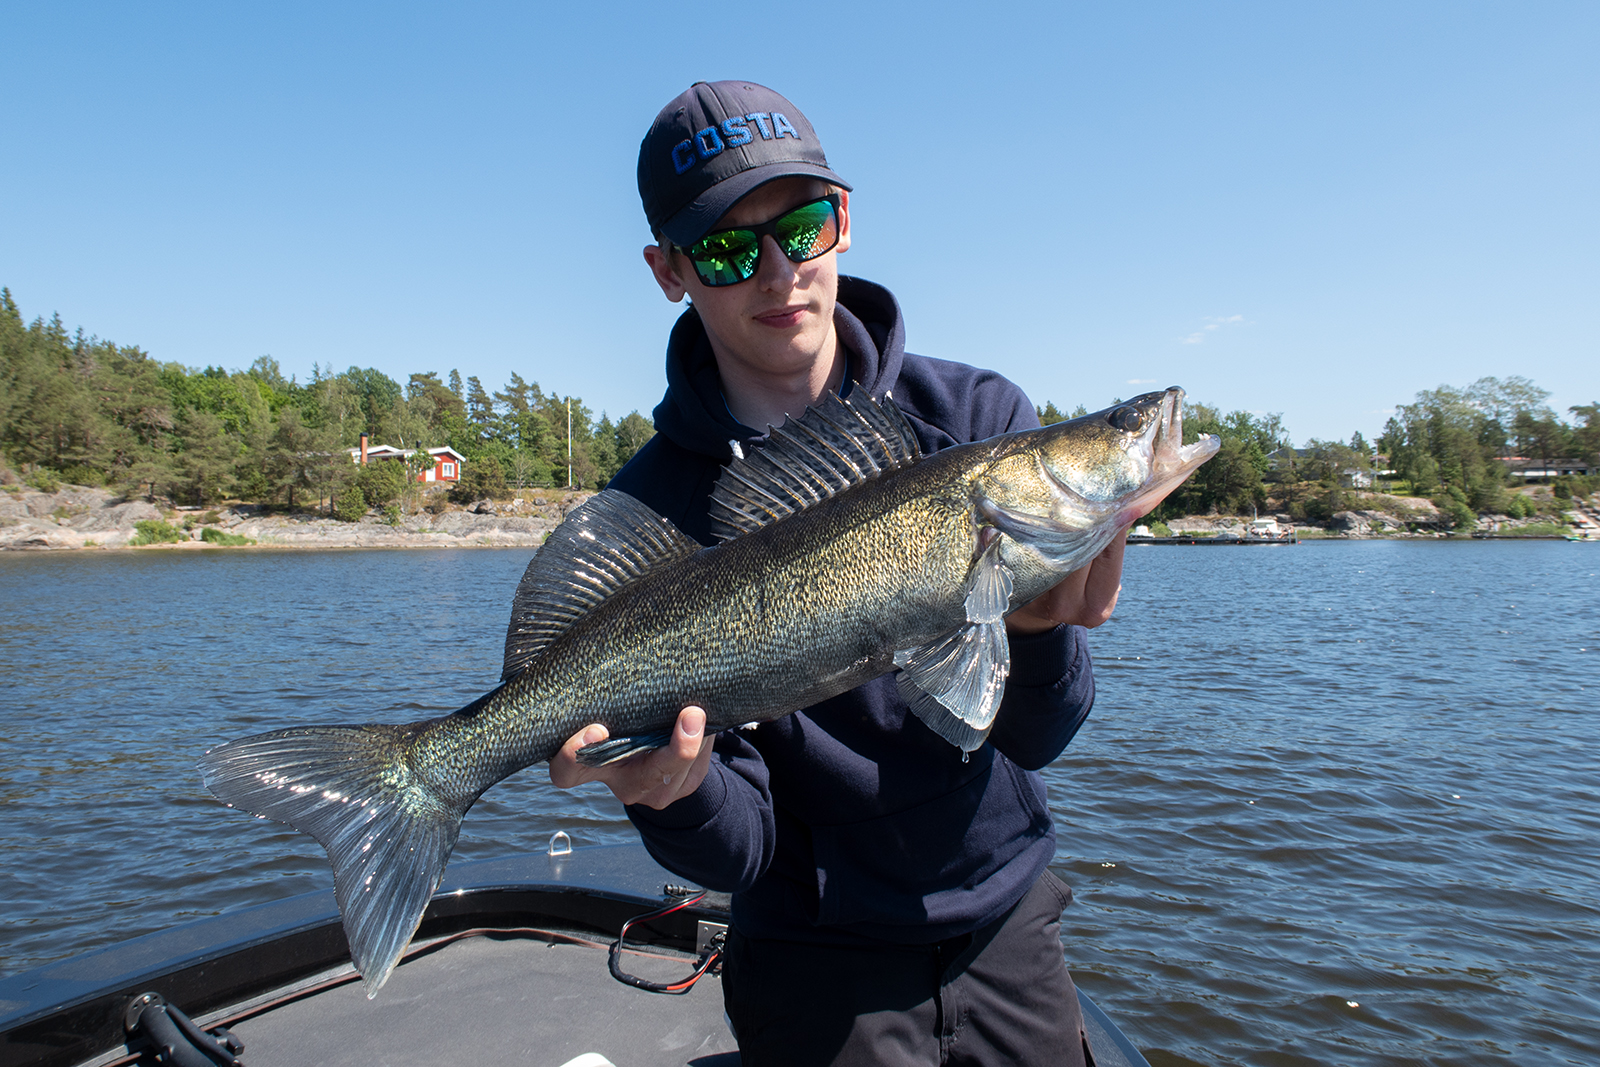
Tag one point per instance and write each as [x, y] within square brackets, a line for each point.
[722, 835]
[1048, 696]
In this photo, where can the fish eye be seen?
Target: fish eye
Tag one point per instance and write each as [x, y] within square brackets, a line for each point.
[1128, 419]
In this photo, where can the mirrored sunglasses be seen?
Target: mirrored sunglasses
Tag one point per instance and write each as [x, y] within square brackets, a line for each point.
[728, 257]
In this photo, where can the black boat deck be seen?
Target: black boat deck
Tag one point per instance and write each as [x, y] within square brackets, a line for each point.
[509, 967]
[494, 999]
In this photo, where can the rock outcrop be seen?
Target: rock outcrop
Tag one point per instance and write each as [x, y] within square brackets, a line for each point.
[77, 517]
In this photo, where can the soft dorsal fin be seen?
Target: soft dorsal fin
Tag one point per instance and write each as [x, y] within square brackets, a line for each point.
[834, 445]
[607, 543]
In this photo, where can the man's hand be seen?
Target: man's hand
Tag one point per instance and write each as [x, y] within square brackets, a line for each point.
[654, 779]
[1086, 597]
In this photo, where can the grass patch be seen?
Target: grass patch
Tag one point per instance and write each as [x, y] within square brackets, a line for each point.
[212, 536]
[1537, 529]
[156, 532]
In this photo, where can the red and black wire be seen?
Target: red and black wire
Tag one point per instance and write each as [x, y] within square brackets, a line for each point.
[708, 959]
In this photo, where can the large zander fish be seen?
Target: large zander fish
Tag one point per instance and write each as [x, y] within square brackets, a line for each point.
[844, 554]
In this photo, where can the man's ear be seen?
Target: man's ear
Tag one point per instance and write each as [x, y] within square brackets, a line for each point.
[844, 222]
[665, 274]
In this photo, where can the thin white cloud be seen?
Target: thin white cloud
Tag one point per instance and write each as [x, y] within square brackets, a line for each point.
[1212, 323]
[1141, 381]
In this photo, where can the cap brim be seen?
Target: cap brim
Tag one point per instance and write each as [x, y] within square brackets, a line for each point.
[695, 221]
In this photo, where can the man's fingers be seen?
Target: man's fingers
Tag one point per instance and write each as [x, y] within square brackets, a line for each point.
[654, 779]
[689, 733]
[675, 770]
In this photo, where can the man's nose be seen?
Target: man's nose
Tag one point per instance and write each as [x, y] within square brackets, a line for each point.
[775, 271]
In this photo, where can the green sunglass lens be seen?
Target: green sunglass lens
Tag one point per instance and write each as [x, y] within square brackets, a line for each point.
[808, 231]
[725, 258]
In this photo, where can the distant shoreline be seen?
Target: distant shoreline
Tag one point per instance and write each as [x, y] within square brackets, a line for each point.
[77, 518]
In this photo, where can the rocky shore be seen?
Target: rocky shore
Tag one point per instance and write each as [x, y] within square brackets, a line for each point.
[85, 518]
[76, 517]
[1380, 515]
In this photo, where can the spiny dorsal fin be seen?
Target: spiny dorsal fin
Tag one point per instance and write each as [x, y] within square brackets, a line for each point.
[834, 445]
[609, 542]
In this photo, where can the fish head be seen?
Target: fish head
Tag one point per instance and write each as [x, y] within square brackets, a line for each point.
[1063, 491]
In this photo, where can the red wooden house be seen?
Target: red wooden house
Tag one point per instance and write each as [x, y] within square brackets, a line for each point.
[446, 460]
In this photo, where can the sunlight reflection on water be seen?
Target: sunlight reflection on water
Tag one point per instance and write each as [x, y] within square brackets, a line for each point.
[1336, 802]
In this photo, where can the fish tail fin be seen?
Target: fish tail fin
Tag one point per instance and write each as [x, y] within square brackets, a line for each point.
[388, 833]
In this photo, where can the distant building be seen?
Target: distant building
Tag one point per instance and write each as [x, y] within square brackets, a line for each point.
[1287, 459]
[1532, 469]
[446, 461]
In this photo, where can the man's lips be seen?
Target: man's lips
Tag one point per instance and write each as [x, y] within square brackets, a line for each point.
[782, 318]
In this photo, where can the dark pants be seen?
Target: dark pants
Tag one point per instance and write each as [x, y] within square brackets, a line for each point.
[1000, 995]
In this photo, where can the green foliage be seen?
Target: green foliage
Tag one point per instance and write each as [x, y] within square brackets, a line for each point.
[43, 479]
[111, 415]
[1537, 529]
[350, 505]
[1453, 509]
[633, 431]
[213, 536]
[484, 479]
[1586, 431]
[1232, 481]
[78, 474]
[155, 532]
[87, 411]
[1453, 440]
[1160, 529]
[381, 483]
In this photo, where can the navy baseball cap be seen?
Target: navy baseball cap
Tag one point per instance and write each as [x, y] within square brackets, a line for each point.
[713, 144]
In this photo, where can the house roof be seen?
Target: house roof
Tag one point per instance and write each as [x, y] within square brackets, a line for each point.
[391, 452]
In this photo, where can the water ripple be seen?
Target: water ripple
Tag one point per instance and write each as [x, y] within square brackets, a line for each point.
[1336, 803]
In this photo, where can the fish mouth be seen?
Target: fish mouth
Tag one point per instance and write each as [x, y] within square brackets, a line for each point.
[1155, 449]
[1171, 461]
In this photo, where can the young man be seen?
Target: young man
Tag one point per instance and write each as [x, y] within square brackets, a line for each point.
[891, 902]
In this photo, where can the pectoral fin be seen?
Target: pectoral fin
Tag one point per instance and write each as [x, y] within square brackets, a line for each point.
[954, 685]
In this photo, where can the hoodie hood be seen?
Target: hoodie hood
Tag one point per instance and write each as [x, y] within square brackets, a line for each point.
[694, 415]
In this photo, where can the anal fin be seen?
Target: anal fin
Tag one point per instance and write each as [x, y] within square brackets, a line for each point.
[613, 749]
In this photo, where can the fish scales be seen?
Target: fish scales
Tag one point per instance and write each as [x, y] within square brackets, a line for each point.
[849, 555]
[844, 581]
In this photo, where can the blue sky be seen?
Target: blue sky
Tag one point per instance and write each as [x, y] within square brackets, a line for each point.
[1313, 209]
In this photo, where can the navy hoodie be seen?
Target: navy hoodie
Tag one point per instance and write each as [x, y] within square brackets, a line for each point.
[851, 821]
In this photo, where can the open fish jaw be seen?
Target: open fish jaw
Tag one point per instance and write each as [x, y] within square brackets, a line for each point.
[1171, 461]
[1100, 470]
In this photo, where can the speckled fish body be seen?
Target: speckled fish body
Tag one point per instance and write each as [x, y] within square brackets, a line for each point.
[845, 554]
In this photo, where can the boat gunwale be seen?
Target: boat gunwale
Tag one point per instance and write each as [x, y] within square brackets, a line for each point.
[51, 1015]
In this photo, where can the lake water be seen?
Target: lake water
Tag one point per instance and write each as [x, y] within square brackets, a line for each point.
[1337, 802]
